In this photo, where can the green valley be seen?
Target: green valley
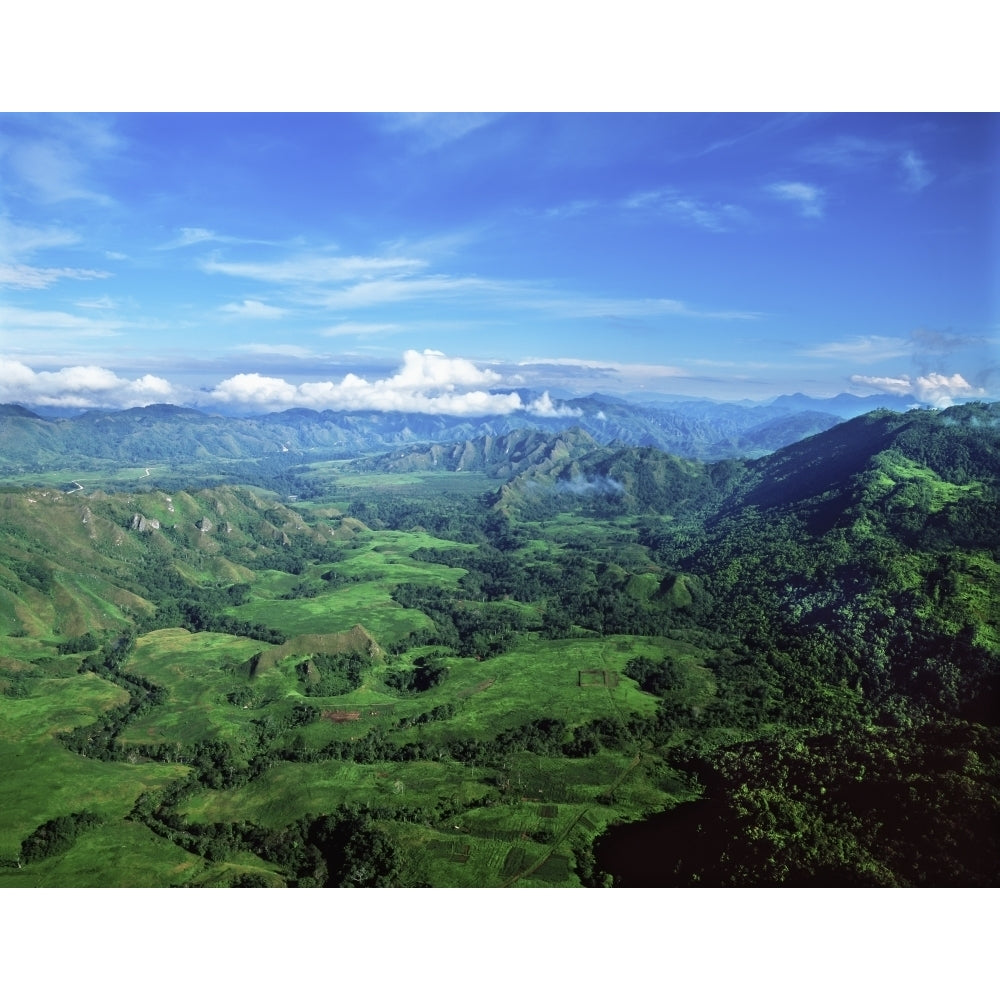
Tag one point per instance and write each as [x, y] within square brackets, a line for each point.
[479, 664]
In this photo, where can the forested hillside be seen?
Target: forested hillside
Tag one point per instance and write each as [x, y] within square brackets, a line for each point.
[465, 664]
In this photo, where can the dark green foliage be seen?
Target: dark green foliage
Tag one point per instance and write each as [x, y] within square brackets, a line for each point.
[426, 674]
[656, 678]
[339, 673]
[893, 808]
[85, 643]
[56, 836]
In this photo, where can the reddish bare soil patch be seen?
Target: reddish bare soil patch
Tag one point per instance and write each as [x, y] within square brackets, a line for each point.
[337, 715]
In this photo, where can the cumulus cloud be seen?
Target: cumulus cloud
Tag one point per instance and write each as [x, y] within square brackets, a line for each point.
[544, 407]
[808, 197]
[936, 389]
[427, 382]
[253, 309]
[88, 386]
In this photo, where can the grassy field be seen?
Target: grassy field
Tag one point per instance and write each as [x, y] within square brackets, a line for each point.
[40, 779]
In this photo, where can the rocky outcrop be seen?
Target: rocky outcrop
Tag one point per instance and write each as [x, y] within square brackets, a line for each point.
[204, 525]
[141, 523]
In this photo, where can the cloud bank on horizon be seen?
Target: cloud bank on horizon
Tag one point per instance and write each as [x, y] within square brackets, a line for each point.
[427, 382]
[263, 262]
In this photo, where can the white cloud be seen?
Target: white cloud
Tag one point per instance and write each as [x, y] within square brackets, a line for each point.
[431, 131]
[359, 329]
[54, 172]
[104, 302]
[81, 386]
[189, 236]
[253, 309]
[544, 407]
[808, 197]
[716, 217]
[285, 350]
[427, 382]
[410, 392]
[29, 325]
[17, 240]
[862, 349]
[916, 173]
[312, 269]
[935, 389]
[640, 371]
[589, 307]
[397, 289]
[26, 276]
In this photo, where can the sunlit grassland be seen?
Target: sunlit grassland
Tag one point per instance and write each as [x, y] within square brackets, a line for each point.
[40, 779]
[197, 671]
[287, 792]
[913, 484]
[541, 678]
[339, 481]
[363, 597]
[118, 854]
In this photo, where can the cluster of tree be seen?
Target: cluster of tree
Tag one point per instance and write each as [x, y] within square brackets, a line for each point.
[329, 675]
[427, 673]
[56, 836]
[889, 807]
[474, 629]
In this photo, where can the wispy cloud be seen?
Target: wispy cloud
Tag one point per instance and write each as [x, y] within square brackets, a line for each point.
[916, 175]
[716, 217]
[572, 209]
[580, 365]
[279, 350]
[18, 240]
[52, 157]
[403, 289]
[849, 152]
[360, 329]
[864, 349]
[189, 237]
[428, 131]
[607, 308]
[253, 309]
[313, 269]
[25, 276]
[31, 325]
[808, 198]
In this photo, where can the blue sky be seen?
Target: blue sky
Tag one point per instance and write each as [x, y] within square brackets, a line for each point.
[466, 263]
